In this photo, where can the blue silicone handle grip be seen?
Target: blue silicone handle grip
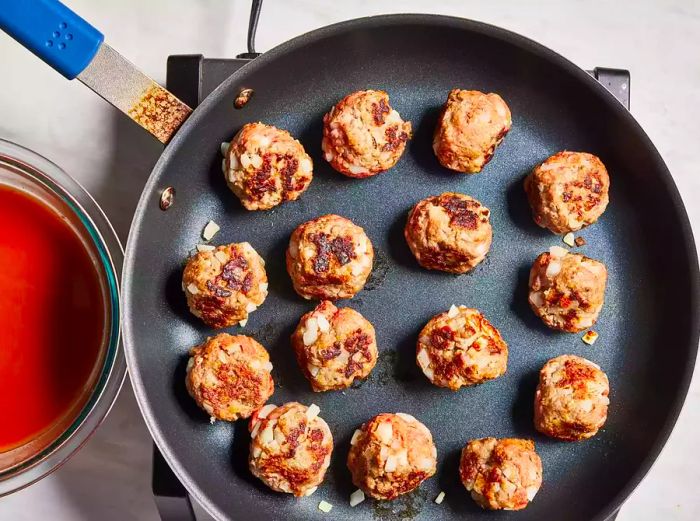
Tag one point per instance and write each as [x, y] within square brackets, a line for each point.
[53, 32]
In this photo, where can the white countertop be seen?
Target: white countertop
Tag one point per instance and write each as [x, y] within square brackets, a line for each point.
[657, 41]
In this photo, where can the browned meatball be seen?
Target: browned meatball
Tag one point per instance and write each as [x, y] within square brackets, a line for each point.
[229, 376]
[567, 290]
[568, 191]
[501, 474]
[471, 126]
[460, 348]
[290, 448]
[265, 166]
[391, 455]
[329, 258]
[571, 401]
[225, 284]
[449, 232]
[363, 135]
[334, 347]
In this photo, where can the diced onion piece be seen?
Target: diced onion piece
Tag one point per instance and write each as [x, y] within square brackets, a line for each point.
[313, 370]
[224, 147]
[453, 312]
[250, 307]
[427, 463]
[243, 322]
[221, 257]
[256, 161]
[391, 464]
[356, 498]
[210, 230]
[305, 165]
[205, 247]
[537, 299]
[267, 435]
[557, 251]
[310, 491]
[553, 269]
[212, 419]
[406, 417]
[590, 337]
[312, 411]
[235, 164]
[256, 452]
[569, 239]
[423, 359]
[402, 458]
[255, 430]
[440, 498]
[245, 160]
[356, 169]
[325, 507]
[323, 324]
[192, 288]
[265, 410]
[355, 436]
[263, 287]
[532, 492]
[385, 432]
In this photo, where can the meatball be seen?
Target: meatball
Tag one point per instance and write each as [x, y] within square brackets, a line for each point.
[471, 126]
[568, 191]
[449, 232]
[501, 474]
[567, 290]
[571, 401]
[461, 348]
[229, 376]
[329, 257]
[290, 448]
[391, 455]
[266, 166]
[334, 347]
[363, 135]
[226, 284]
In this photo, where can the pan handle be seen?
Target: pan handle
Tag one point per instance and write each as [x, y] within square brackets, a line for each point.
[52, 32]
[76, 49]
[255, 9]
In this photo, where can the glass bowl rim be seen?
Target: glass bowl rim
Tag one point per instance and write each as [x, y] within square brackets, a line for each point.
[112, 374]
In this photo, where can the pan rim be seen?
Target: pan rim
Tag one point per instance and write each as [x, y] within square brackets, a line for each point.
[492, 31]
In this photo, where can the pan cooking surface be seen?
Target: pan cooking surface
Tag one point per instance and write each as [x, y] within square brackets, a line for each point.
[647, 327]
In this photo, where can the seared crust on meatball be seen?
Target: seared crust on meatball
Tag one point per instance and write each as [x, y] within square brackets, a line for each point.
[568, 191]
[471, 126]
[501, 474]
[334, 347]
[391, 455]
[290, 448]
[363, 135]
[571, 401]
[449, 232]
[329, 257]
[224, 285]
[229, 376]
[567, 290]
[266, 166]
[460, 348]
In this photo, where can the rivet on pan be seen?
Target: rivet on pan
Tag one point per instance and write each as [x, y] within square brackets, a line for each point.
[167, 198]
[243, 98]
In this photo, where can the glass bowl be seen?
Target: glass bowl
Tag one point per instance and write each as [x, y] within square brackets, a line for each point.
[27, 171]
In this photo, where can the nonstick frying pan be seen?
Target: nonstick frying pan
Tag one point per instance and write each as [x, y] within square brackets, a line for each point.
[648, 327]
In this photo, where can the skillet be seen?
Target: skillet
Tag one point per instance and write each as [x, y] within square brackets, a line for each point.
[648, 327]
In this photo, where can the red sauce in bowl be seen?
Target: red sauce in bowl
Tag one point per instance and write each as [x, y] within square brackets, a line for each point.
[51, 319]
